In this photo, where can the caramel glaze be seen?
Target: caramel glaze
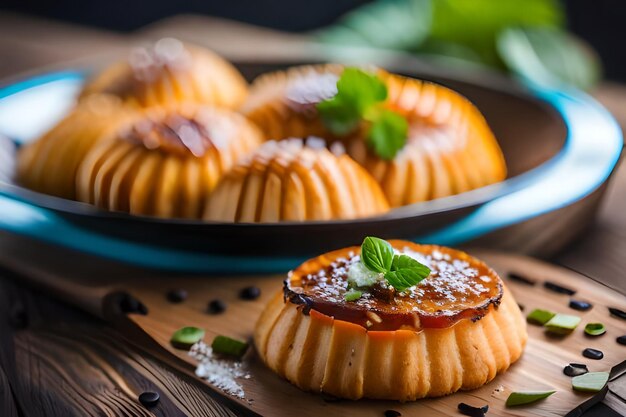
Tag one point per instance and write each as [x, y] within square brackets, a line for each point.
[459, 287]
[173, 133]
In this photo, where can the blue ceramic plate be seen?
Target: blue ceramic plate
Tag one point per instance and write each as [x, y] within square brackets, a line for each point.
[578, 140]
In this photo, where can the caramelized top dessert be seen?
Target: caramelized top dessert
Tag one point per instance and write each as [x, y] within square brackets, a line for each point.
[458, 287]
[170, 72]
[167, 162]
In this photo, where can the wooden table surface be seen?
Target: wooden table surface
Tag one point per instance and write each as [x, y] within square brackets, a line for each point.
[58, 361]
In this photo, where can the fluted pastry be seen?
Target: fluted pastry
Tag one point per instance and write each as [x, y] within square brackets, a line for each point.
[291, 181]
[50, 163]
[166, 163]
[282, 103]
[450, 148]
[170, 73]
[456, 330]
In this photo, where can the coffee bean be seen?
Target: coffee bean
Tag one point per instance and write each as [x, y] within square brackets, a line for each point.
[250, 293]
[149, 398]
[580, 305]
[558, 288]
[216, 306]
[593, 354]
[177, 295]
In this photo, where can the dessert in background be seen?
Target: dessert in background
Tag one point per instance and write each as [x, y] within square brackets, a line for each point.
[444, 148]
[50, 163]
[167, 162]
[376, 141]
[391, 320]
[293, 181]
[171, 72]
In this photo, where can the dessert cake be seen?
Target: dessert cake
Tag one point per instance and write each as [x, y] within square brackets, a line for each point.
[169, 73]
[425, 321]
[167, 162]
[293, 181]
[449, 146]
[50, 163]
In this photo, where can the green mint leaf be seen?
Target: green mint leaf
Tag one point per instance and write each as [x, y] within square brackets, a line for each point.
[527, 397]
[376, 254]
[539, 316]
[360, 89]
[562, 324]
[406, 272]
[388, 134]
[185, 337]
[352, 295]
[357, 92]
[590, 382]
[595, 329]
[339, 117]
[225, 345]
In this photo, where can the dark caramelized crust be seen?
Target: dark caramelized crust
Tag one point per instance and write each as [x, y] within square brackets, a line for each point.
[459, 287]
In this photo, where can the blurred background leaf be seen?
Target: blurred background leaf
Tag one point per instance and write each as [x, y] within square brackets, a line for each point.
[526, 38]
[477, 23]
[549, 57]
[387, 24]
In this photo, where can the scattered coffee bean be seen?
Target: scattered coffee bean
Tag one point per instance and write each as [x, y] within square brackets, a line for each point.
[177, 296]
[520, 278]
[149, 398]
[18, 319]
[250, 293]
[129, 304]
[575, 369]
[471, 411]
[580, 305]
[559, 289]
[392, 413]
[593, 354]
[617, 312]
[216, 306]
[521, 307]
[621, 340]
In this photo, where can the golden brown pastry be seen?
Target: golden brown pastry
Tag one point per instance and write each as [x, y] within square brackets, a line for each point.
[288, 181]
[450, 148]
[282, 103]
[455, 330]
[49, 164]
[167, 162]
[169, 73]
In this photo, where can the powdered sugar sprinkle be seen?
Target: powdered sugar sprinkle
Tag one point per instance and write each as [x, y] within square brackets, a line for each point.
[221, 373]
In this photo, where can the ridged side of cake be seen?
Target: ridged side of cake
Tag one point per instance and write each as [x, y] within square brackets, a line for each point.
[167, 181]
[50, 163]
[287, 181]
[320, 354]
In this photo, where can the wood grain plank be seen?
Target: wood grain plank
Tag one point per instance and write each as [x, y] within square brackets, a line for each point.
[73, 365]
[8, 407]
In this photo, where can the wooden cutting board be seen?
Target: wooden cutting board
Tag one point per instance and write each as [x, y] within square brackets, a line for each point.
[100, 289]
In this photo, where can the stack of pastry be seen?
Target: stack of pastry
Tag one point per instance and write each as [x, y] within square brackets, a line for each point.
[175, 132]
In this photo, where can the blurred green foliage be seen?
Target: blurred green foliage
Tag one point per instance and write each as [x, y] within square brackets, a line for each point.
[524, 37]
